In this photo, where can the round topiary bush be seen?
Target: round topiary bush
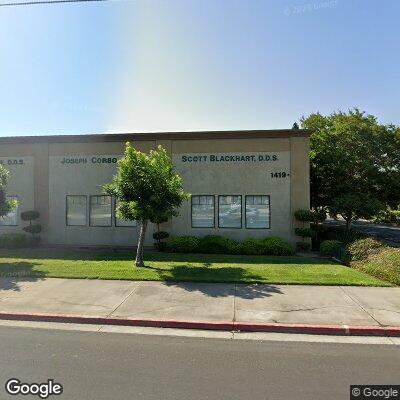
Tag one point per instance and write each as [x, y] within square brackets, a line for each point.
[185, 244]
[160, 235]
[330, 247]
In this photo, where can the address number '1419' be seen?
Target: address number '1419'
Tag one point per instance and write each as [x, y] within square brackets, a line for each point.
[279, 174]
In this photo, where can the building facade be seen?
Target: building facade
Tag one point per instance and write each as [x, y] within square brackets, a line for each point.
[242, 184]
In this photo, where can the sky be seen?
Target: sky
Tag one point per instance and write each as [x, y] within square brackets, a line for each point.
[184, 65]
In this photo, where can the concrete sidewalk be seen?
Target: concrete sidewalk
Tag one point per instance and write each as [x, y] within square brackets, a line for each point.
[221, 306]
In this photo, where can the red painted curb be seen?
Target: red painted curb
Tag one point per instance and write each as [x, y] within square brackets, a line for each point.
[391, 331]
[312, 329]
[84, 319]
[291, 328]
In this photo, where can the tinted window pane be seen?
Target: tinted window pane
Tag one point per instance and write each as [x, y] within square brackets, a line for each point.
[76, 210]
[257, 212]
[12, 217]
[230, 212]
[100, 211]
[203, 211]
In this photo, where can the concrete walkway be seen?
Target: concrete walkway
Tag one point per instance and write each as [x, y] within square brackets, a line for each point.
[190, 302]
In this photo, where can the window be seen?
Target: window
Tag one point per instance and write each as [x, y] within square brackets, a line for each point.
[76, 210]
[100, 211]
[120, 221]
[257, 212]
[230, 211]
[10, 219]
[202, 211]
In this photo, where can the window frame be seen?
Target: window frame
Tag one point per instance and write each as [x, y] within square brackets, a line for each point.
[269, 210]
[191, 211]
[90, 210]
[66, 208]
[12, 197]
[241, 211]
[116, 218]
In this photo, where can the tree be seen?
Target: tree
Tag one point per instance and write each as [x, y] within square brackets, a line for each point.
[6, 206]
[295, 126]
[147, 188]
[355, 164]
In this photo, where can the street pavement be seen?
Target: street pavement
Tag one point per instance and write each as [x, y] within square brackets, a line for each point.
[385, 232]
[286, 304]
[95, 365]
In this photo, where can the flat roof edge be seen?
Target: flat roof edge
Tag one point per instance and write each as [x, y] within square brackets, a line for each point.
[119, 137]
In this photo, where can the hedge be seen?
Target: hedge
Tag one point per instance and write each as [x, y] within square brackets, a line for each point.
[214, 244]
[362, 249]
[330, 247]
[384, 264]
[185, 244]
[13, 240]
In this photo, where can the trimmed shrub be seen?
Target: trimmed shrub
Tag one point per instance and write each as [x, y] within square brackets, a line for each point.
[304, 232]
[303, 246]
[13, 240]
[275, 246]
[160, 235]
[310, 215]
[385, 264]
[33, 229]
[215, 244]
[30, 215]
[330, 247]
[185, 244]
[272, 246]
[251, 247]
[304, 215]
[362, 249]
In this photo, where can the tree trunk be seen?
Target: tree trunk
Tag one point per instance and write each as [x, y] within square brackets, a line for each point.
[348, 224]
[139, 252]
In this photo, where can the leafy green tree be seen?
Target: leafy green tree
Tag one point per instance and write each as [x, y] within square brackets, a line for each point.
[355, 164]
[148, 189]
[5, 205]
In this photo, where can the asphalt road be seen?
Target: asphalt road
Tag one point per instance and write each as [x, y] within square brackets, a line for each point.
[92, 365]
[387, 233]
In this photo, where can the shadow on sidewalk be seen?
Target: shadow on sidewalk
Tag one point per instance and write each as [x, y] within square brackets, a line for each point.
[200, 279]
[13, 273]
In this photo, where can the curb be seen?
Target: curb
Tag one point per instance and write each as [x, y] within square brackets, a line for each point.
[310, 329]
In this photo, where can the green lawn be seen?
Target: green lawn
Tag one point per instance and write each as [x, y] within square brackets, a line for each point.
[179, 267]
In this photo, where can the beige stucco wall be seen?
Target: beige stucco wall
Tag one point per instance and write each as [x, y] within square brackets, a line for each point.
[21, 184]
[45, 182]
[236, 178]
[86, 179]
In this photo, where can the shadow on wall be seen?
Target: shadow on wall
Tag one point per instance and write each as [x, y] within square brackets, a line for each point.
[13, 273]
[204, 276]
